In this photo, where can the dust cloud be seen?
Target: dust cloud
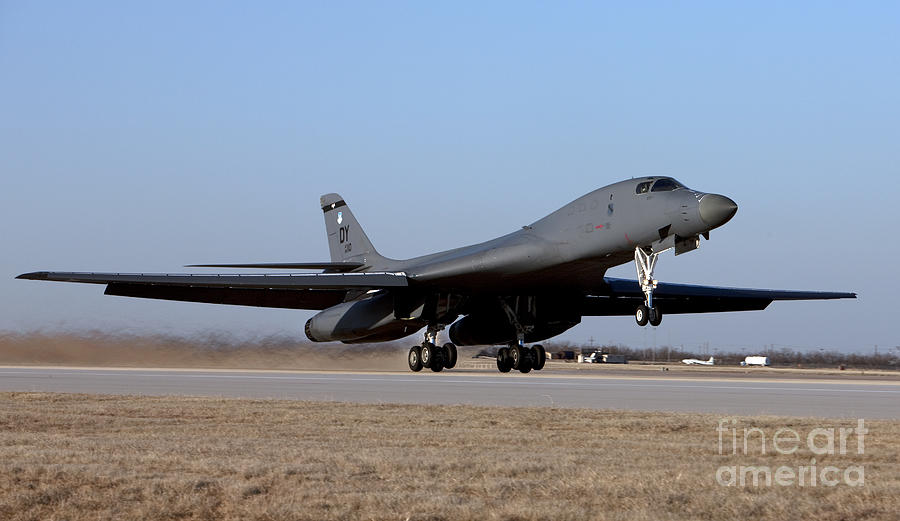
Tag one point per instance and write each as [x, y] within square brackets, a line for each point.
[212, 351]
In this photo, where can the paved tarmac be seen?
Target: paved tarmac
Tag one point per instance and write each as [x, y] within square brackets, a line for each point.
[845, 399]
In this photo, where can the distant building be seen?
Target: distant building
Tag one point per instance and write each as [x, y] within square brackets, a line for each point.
[614, 359]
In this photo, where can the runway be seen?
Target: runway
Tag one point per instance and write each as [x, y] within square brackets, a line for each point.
[718, 395]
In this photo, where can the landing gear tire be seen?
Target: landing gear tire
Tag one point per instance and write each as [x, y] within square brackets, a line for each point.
[415, 358]
[642, 315]
[428, 353]
[518, 357]
[655, 316]
[437, 365]
[449, 355]
[525, 366]
[540, 356]
[503, 362]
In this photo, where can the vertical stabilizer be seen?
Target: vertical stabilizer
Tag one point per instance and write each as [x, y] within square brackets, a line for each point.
[346, 239]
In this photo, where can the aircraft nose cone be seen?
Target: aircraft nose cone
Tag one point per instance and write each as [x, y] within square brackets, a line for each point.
[716, 210]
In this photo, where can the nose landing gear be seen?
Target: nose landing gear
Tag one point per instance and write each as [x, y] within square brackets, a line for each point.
[646, 312]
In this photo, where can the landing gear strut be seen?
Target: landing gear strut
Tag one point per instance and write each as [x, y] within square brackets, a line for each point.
[645, 263]
[429, 355]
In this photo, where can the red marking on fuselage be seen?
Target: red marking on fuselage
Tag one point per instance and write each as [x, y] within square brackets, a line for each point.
[598, 226]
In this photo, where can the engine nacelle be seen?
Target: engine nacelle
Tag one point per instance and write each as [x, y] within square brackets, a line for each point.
[371, 319]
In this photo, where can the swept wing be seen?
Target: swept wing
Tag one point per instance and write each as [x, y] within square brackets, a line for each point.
[295, 291]
[621, 296]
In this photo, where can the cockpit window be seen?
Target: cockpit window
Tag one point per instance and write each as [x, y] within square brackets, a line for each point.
[643, 188]
[666, 185]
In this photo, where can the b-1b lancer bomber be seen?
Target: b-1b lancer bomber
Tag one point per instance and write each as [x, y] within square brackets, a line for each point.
[521, 288]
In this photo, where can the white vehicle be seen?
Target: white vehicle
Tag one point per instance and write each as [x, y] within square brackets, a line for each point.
[594, 358]
[762, 361]
[694, 361]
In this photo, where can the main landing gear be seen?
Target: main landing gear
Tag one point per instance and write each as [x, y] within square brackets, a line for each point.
[517, 356]
[646, 312]
[429, 355]
[521, 358]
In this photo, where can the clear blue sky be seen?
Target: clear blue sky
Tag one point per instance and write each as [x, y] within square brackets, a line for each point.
[145, 136]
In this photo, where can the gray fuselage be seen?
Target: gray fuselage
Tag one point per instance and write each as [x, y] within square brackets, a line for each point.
[570, 248]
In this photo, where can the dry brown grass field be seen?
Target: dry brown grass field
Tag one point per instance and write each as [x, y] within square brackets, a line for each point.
[80, 457]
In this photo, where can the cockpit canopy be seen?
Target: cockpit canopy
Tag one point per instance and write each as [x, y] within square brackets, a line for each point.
[663, 184]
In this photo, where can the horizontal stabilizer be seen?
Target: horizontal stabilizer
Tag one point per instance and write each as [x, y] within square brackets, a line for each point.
[329, 266]
[373, 280]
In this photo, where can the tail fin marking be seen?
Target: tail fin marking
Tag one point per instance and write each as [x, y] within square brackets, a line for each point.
[346, 239]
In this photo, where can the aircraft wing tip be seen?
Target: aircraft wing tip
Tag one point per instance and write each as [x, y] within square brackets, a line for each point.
[35, 275]
[847, 294]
